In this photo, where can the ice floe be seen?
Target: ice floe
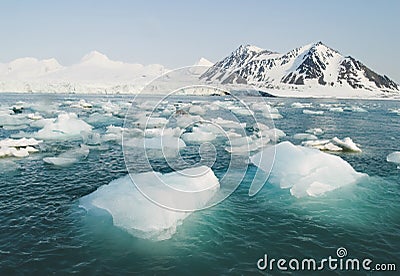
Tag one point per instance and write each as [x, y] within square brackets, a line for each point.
[304, 136]
[69, 157]
[301, 105]
[334, 144]
[394, 157]
[18, 147]
[66, 126]
[305, 171]
[313, 112]
[315, 131]
[136, 214]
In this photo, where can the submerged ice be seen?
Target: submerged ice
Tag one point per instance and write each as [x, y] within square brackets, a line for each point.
[305, 171]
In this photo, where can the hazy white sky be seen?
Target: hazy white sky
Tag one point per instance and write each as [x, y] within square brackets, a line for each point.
[177, 33]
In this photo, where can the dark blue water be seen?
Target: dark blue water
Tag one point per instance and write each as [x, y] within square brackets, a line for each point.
[43, 230]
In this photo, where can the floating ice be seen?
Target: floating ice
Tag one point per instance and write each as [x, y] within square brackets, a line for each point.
[315, 131]
[301, 105]
[82, 104]
[243, 111]
[18, 147]
[197, 110]
[139, 216]
[165, 146]
[150, 122]
[313, 112]
[13, 120]
[395, 110]
[346, 144]
[228, 124]
[394, 157]
[274, 134]
[110, 107]
[34, 116]
[354, 108]
[69, 157]
[198, 135]
[336, 109]
[324, 145]
[304, 136]
[66, 126]
[91, 138]
[156, 132]
[334, 144]
[185, 120]
[305, 171]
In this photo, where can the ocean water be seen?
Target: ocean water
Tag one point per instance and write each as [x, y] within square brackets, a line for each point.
[44, 230]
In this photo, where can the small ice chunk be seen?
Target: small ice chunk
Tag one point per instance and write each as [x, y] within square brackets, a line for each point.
[82, 104]
[313, 112]
[336, 109]
[228, 124]
[304, 136]
[243, 111]
[60, 161]
[324, 145]
[305, 171]
[197, 110]
[69, 157]
[346, 144]
[185, 120]
[354, 108]
[274, 134]
[198, 135]
[34, 116]
[315, 131]
[301, 105]
[394, 157]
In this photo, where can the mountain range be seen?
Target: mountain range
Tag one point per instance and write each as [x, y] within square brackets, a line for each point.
[311, 67]
[311, 70]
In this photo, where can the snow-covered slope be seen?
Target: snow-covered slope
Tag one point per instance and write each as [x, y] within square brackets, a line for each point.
[95, 73]
[311, 67]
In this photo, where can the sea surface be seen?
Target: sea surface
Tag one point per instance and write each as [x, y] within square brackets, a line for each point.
[43, 229]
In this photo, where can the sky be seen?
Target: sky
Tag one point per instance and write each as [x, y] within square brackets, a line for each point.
[177, 33]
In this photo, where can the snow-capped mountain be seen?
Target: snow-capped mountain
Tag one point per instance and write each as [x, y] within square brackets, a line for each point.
[311, 66]
[95, 73]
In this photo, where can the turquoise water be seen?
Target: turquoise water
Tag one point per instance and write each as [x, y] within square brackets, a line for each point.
[43, 229]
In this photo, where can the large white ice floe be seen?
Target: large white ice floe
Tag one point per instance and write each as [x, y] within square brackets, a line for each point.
[18, 147]
[69, 157]
[305, 171]
[136, 214]
[66, 126]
